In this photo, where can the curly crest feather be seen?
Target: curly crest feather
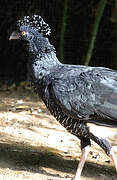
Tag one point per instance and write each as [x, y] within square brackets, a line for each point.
[37, 23]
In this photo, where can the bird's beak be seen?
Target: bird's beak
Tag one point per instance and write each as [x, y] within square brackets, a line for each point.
[14, 35]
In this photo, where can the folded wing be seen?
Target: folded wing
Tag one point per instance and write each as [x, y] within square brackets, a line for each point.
[89, 96]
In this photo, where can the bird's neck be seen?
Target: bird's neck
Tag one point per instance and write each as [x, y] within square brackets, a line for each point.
[43, 60]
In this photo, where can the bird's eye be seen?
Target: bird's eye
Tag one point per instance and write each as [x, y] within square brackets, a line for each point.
[23, 33]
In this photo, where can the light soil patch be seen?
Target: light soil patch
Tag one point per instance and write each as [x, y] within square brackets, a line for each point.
[34, 146]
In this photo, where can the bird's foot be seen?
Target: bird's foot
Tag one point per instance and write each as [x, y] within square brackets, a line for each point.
[78, 178]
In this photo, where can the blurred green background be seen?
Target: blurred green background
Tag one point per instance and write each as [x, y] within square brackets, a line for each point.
[83, 32]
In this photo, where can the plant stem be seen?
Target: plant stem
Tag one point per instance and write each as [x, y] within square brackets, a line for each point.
[62, 33]
[99, 13]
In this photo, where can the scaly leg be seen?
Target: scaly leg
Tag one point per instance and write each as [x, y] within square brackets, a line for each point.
[83, 157]
[107, 148]
[113, 158]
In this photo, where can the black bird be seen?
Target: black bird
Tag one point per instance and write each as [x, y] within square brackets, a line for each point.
[76, 96]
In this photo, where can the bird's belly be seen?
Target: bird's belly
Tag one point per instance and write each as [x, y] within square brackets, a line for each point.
[74, 126]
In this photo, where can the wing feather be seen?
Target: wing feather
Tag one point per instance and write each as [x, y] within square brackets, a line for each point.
[90, 96]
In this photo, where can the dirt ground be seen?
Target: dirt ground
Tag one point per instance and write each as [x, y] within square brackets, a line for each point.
[34, 146]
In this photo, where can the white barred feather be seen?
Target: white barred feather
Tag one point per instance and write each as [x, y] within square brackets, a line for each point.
[36, 22]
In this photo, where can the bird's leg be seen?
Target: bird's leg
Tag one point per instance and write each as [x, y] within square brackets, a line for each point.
[107, 148]
[113, 158]
[83, 157]
[85, 144]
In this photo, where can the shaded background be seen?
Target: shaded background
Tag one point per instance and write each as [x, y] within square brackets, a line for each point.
[71, 23]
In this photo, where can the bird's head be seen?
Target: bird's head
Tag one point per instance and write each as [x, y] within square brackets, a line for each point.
[31, 27]
[35, 31]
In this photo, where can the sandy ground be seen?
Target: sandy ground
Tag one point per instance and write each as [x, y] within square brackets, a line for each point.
[34, 146]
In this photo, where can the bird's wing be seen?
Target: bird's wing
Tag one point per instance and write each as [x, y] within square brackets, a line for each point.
[90, 95]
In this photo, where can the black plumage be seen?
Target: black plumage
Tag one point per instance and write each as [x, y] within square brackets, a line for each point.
[75, 95]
